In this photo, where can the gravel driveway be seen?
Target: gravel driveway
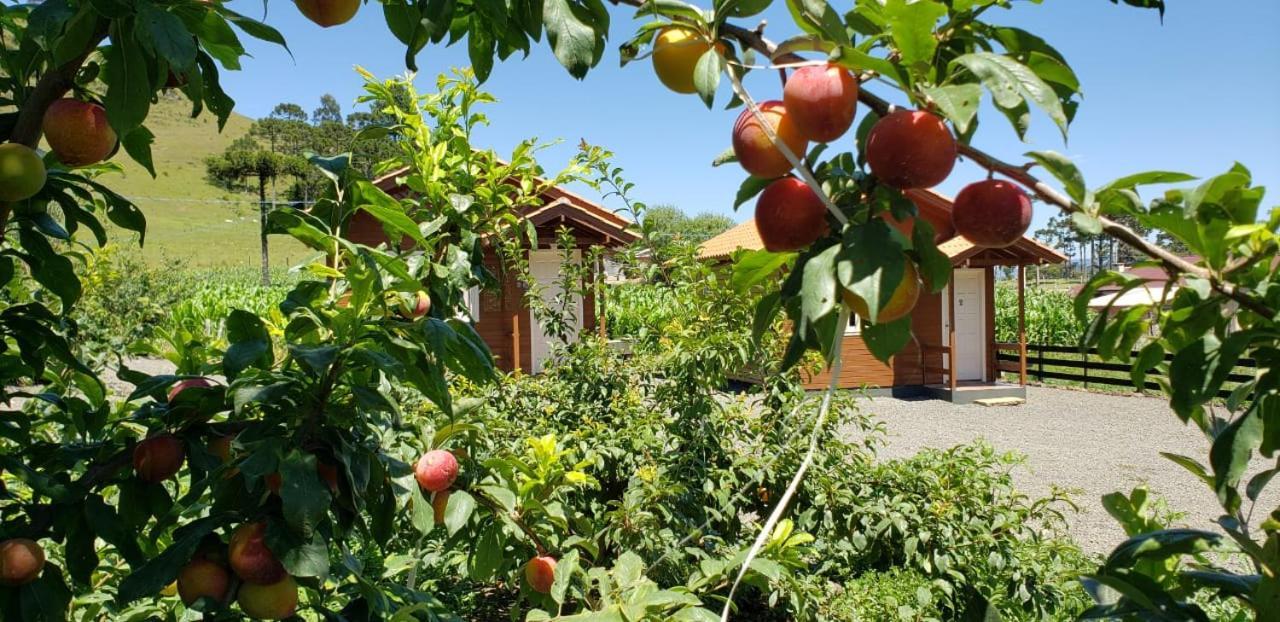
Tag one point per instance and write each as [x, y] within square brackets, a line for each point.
[1089, 443]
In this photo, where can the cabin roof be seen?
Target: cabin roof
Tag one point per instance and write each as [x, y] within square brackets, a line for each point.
[1026, 251]
[560, 205]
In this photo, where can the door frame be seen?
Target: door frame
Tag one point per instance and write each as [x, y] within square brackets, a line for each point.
[983, 346]
[538, 354]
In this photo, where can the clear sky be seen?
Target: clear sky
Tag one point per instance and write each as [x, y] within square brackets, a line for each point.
[1193, 94]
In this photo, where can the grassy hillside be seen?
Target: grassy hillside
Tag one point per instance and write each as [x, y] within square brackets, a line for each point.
[187, 218]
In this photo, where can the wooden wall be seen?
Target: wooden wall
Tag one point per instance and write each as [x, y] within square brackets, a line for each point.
[860, 368]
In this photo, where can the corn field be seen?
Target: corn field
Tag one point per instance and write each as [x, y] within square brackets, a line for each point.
[1050, 317]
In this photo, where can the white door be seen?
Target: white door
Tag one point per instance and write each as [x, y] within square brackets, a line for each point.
[544, 267]
[971, 349]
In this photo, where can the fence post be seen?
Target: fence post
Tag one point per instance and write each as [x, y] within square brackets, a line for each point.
[1040, 353]
[1086, 369]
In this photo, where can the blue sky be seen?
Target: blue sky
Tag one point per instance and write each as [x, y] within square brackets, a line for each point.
[1193, 94]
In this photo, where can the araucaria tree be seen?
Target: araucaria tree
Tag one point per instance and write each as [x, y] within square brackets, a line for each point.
[278, 488]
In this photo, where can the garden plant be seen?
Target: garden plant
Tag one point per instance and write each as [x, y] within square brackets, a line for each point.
[352, 454]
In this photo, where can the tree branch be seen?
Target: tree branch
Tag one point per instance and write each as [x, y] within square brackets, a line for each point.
[1172, 262]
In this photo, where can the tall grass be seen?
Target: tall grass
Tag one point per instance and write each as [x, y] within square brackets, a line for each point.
[1050, 317]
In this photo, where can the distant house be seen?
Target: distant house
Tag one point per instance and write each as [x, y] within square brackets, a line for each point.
[503, 319]
[954, 360]
[1157, 286]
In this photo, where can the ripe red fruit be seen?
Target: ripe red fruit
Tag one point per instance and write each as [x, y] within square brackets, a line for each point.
[418, 307]
[274, 601]
[21, 561]
[250, 558]
[439, 503]
[198, 383]
[992, 213]
[821, 100]
[540, 572]
[328, 13]
[790, 216]
[755, 152]
[436, 470]
[911, 149]
[158, 458]
[201, 578]
[78, 132]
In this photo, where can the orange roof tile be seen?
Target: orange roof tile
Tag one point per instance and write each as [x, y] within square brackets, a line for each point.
[723, 245]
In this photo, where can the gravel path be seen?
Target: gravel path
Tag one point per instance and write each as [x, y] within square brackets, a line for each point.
[1089, 443]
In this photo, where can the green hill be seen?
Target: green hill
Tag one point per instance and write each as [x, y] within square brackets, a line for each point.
[187, 217]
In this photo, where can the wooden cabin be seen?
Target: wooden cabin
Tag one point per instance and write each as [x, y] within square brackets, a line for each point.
[927, 365]
[502, 318]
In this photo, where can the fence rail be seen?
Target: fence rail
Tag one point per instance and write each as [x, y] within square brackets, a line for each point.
[1074, 364]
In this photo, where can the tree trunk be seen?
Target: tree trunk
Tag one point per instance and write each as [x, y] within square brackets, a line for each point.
[262, 231]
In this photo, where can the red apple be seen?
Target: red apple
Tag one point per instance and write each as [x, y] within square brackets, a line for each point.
[158, 458]
[201, 578]
[328, 13]
[78, 132]
[273, 601]
[436, 470]
[21, 561]
[418, 307]
[540, 572]
[755, 152]
[790, 216]
[911, 149]
[197, 383]
[821, 100]
[250, 558]
[992, 213]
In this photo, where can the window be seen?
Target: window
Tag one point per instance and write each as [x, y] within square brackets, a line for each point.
[470, 311]
[855, 325]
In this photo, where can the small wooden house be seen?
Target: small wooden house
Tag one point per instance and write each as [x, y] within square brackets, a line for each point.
[502, 318]
[953, 359]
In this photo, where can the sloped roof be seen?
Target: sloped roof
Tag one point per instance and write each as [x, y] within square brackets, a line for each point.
[958, 249]
[559, 203]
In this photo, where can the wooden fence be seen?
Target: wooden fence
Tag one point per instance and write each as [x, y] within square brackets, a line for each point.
[1072, 363]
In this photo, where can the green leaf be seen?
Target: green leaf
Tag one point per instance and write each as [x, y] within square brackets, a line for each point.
[958, 102]
[1162, 545]
[423, 515]
[253, 27]
[250, 343]
[300, 557]
[50, 268]
[304, 498]
[166, 33]
[886, 340]
[818, 293]
[1012, 84]
[911, 25]
[390, 213]
[480, 48]
[706, 75]
[818, 18]
[128, 97]
[161, 570]
[137, 143]
[488, 554]
[753, 267]
[458, 511]
[1086, 223]
[751, 186]
[572, 33]
[935, 267]
[1065, 171]
[871, 263]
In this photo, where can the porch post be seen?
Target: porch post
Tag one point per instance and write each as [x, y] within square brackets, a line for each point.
[602, 313]
[1022, 325]
[951, 334]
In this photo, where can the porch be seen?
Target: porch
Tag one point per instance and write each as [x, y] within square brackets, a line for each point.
[970, 360]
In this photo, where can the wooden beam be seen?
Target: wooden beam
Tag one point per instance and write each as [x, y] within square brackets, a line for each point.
[515, 341]
[951, 333]
[1022, 325]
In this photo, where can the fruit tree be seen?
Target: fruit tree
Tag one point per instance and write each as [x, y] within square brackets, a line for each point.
[266, 490]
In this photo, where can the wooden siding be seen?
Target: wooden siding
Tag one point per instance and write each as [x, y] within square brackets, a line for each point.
[859, 368]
